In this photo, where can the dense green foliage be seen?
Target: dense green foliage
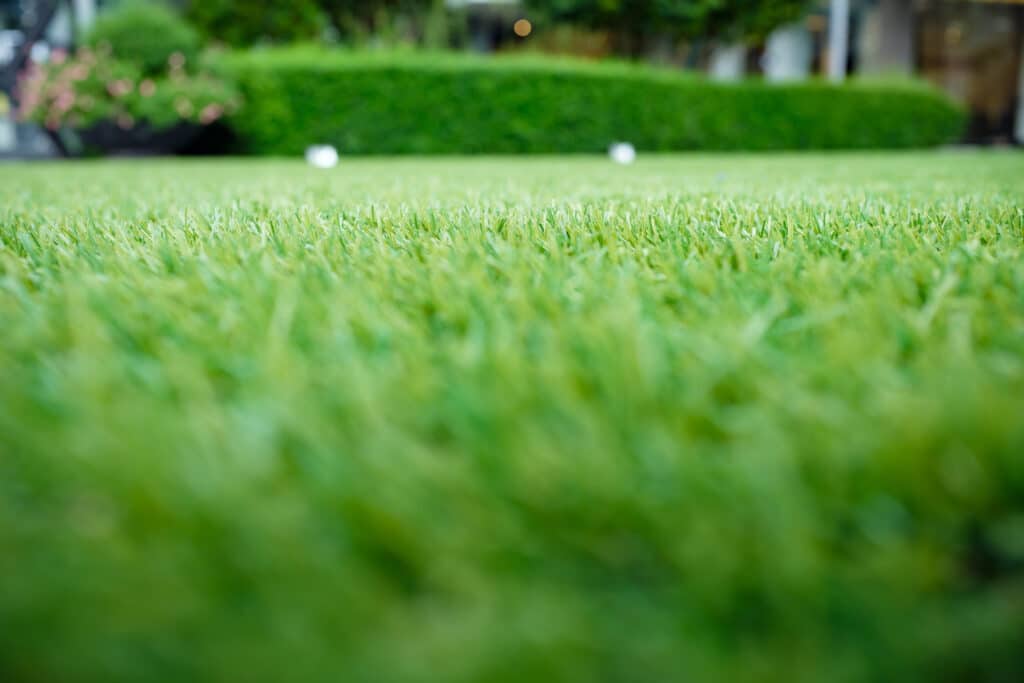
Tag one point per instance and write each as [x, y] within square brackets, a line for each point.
[248, 23]
[365, 16]
[708, 419]
[145, 34]
[414, 103]
[641, 20]
[278, 21]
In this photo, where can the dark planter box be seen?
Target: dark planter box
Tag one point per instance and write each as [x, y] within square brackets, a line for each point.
[109, 139]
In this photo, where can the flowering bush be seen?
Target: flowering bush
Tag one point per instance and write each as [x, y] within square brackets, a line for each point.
[91, 86]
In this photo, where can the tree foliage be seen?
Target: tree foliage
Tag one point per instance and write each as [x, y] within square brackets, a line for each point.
[637, 21]
[359, 16]
[245, 22]
[750, 19]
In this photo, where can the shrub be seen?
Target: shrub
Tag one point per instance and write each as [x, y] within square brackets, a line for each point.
[146, 34]
[412, 103]
[91, 86]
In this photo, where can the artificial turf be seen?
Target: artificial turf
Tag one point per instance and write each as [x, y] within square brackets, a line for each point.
[733, 418]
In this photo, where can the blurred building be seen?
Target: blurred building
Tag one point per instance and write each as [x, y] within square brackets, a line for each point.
[975, 51]
[972, 49]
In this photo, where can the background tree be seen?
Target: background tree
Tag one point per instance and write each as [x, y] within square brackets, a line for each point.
[246, 22]
[355, 17]
[635, 23]
[753, 20]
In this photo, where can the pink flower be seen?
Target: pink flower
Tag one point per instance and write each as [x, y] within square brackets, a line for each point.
[65, 101]
[176, 60]
[27, 108]
[147, 88]
[78, 72]
[210, 113]
[30, 86]
[125, 121]
[120, 87]
[58, 56]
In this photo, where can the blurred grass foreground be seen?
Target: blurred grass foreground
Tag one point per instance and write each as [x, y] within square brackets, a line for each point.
[703, 419]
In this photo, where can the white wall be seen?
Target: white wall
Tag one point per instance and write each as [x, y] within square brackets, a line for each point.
[728, 62]
[788, 53]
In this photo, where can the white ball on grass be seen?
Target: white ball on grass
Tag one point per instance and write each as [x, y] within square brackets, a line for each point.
[322, 156]
[622, 153]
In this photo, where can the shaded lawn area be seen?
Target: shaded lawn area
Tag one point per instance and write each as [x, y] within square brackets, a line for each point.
[706, 418]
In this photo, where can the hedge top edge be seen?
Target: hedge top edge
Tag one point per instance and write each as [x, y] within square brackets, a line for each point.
[312, 57]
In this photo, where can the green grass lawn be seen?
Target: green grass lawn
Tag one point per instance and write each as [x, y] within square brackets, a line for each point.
[700, 419]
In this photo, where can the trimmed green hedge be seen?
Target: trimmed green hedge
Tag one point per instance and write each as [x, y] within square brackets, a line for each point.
[453, 104]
